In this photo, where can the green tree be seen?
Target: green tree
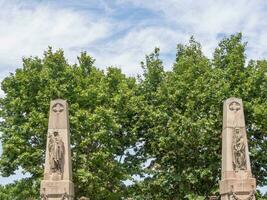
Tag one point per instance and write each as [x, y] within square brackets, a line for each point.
[100, 116]
[165, 127]
[27, 189]
[180, 123]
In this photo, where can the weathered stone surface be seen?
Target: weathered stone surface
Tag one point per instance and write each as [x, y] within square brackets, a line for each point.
[57, 183]
[213, 198]
[237, 181]
[84, 198]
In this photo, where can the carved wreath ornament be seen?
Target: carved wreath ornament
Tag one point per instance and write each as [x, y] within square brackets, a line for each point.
[64, 196]
[58, 108]
[250, 197]
[44, 197]
[234, 106]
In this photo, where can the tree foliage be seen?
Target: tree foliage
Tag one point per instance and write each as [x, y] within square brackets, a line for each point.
[98, 121]
[164, 126]
[183, 124]
[27, 189]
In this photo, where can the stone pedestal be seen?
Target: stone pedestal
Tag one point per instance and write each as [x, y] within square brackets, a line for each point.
[57, 183]
[237, 182]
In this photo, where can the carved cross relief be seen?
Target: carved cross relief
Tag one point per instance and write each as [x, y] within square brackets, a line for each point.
[58, 108]
[234, 106]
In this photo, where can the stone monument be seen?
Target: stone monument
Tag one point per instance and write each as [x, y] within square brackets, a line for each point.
[57, 183]
[237, 182]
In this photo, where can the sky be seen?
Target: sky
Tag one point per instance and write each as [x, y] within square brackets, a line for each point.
[121, 32]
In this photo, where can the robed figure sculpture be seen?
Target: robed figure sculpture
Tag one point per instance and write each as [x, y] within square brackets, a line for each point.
[56, 153]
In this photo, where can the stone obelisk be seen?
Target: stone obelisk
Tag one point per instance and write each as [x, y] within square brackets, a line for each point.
[57, 183]
[237, 182]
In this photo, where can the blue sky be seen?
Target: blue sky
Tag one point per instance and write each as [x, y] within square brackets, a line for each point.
[122, 32]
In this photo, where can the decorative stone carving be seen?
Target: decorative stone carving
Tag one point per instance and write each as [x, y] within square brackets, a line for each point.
[65, 196]
[251, 196]
[58, 108]
[237, 182]
[44, 197]
[239, 151]
[234, 106]
[56, 152]
[57, 183]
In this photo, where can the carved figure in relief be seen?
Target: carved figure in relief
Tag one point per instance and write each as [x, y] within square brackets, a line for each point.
[239, 151]
[56, 153]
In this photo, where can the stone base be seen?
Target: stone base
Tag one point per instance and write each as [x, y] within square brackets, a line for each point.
[241, 188]
[240, 196]
[55, 190]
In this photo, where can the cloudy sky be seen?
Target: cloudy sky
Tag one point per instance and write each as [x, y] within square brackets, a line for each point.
[122, 32]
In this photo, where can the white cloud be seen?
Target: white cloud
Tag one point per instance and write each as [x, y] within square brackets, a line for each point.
[207, 18]
[128, 51]
[28, 31]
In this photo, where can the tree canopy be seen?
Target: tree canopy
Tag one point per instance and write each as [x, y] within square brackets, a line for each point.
[162, 126]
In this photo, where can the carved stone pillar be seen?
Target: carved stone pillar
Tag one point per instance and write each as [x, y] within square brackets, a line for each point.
[57, 183]
[237, 182]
